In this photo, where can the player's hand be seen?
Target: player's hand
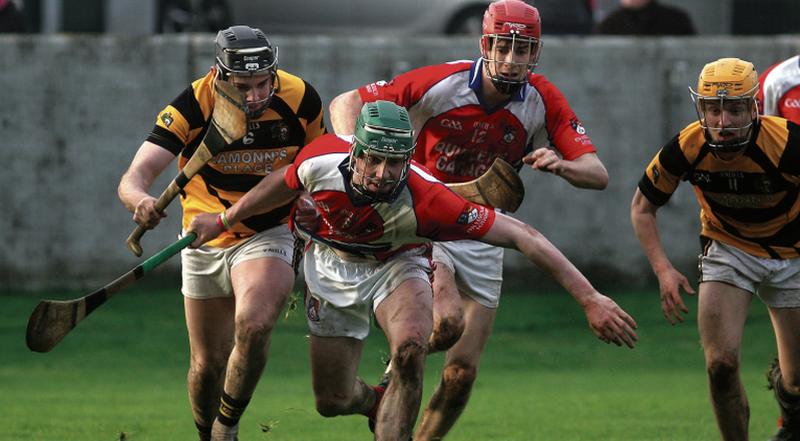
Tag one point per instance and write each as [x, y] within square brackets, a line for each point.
[545, 160]
[670, 282]
[609, 322]
[305, 213]
[206, 227]
[146, 214]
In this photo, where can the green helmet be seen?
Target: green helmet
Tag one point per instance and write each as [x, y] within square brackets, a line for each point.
[383, 130]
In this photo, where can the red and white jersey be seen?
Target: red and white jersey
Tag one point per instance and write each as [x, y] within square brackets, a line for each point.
[424, 211]
[780, 90]
[458, 137]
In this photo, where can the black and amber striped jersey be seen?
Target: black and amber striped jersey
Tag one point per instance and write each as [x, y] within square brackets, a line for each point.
[294, 118]
[751, 201]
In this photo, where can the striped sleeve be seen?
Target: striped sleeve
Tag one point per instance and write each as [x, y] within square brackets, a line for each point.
[664, 173]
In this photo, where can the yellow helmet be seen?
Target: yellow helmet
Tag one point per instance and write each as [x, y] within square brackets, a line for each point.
[728, 77]
[725, 101]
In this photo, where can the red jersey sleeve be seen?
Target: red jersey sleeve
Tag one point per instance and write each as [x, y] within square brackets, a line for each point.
[565, 130]
[443, 214]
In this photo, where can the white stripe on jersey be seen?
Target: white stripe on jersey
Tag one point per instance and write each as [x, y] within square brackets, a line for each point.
[779, 80]
[423, 173]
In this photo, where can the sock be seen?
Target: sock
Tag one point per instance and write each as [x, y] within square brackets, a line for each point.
[203, 431]
[787, 398]
[372, 413]
[231, 409]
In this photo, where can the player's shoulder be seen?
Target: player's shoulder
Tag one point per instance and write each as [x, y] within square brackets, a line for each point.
[447, 68]
[544, 87]
[295, 91]
[437, 72]
[540, 82]
[199, 96]
[690, 140]
[422, 184]
[778, 128]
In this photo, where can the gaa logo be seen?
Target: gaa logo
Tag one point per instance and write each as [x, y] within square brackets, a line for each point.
[451, 124]
[793, 103]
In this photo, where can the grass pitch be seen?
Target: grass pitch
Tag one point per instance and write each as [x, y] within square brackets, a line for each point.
[544, 376]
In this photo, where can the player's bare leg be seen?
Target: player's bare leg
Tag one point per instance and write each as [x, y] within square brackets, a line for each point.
[786, 382]
[334, 367]
[722, 310]
[261, 287]
[459, 374]
[210, 326]
[448, 311]
[405, 317]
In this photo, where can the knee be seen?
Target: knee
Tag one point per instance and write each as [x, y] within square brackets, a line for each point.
[459, 377]
[330, 406]
[253, 331]
[409, 359]
[446, 333]
[457, 380]
[207, 366]
[723, 370]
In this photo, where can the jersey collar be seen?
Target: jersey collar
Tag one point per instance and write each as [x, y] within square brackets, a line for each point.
[476, 83]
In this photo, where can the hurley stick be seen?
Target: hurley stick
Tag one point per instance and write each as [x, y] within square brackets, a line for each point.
[228, 123]
[499, 187]
[52, 320]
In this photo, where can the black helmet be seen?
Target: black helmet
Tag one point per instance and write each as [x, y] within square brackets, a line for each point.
[242, 50]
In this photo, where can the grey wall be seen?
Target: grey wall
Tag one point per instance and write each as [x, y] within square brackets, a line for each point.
[75, 109]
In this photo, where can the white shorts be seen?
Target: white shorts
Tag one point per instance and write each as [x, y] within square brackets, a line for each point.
[341, 295]
[775, 281]
[206, 271]
[478, 268]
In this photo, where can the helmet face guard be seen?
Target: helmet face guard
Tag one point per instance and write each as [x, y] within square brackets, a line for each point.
[725, 102]
[508, 58]
[734, 119]
[243, 51]
[510, 43]
[383, 140]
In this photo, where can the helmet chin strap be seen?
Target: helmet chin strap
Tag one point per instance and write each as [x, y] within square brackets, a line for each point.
[505, 87]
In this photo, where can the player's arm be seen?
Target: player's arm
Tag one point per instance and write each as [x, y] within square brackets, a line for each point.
[270, 193]
[643, 218]
[148, 163]
[344, 111]
[606, 319]
[585, 171]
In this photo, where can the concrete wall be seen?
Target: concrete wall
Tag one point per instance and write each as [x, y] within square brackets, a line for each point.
[75, 109]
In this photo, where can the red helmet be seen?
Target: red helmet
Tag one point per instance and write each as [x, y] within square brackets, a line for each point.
[510, 26]
[507, 16]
